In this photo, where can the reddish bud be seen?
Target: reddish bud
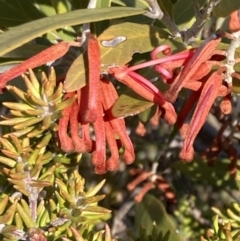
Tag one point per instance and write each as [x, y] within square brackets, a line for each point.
[140, 129]
[226, 105]
[89, 93]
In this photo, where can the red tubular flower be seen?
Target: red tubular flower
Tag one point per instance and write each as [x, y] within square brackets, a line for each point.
[66, 142]
[166, 188]
[184, 55]
[202, 54]
[113, 160]
[50, 54]
[147, 90]
[207, 98]
[80, 145]
[140, 178]
[109, 96]
[183, 114]
[85, 131]
[145, 189]
[89, 93]
[141, 129]
[154, 121]
[99, 154]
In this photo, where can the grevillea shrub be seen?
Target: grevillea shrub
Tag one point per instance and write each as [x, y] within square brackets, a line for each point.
[119, 121]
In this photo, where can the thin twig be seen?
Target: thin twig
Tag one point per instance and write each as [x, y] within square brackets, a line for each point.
[156, 13]
[230, 54]
[201, 18]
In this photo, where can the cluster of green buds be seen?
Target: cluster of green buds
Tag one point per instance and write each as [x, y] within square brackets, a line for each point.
[221, 232]
[39, 107]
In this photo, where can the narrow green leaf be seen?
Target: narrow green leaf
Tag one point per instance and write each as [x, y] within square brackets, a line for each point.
[61, 6]
[7, 161]
[95, 210]
[25, 216]
[45, 7]
[3, 204]
[27, 32]
[95, 189]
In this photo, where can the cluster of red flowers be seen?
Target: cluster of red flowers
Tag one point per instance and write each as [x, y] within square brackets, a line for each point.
[197, 74]
[199, 69]
[92, 107]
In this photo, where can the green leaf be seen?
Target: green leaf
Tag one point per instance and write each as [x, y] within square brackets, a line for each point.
[103, 3]
[13, 12]
[151, 210]
[199, 170]
[226, 7]
[129, 104]
[146, 115]
[46, 7]
[61, 6]
[183, 13]
[138, 4]
[27, 32]
[139, 38]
